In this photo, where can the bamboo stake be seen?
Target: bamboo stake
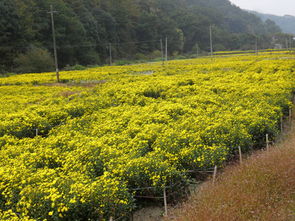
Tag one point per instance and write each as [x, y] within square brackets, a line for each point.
[267, 142]
[214, 174]
[240, 154]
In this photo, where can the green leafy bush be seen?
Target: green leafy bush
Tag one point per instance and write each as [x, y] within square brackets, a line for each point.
[35, 60]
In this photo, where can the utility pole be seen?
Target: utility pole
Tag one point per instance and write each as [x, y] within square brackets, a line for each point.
[256, 44]
[162, 51]
[111, 59]
[287, 46]
[211, 42]
[54, 42]
[166, 49]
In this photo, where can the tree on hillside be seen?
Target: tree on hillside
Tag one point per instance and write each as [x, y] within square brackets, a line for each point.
[10, 33]
[84, 28]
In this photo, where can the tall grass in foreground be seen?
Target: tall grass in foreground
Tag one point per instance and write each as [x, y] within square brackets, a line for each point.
[263, 188]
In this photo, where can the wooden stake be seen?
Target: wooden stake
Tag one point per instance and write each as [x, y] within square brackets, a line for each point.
[290, 114]
[165, 202]
[240, 153]
[131, 217]
[37, 132]
[214, 174]
[267, 143]
[282, 126]
[111, 218]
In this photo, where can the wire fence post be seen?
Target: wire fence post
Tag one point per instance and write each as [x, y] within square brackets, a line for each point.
[267, 142]
[37, 131]
[282, 125]
[214, 174]
[240, 154]
[111, 218]
[165, 202]
[131, 217]
[290, 114]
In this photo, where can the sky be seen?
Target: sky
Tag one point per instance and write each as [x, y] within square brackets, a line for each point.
[276, 7]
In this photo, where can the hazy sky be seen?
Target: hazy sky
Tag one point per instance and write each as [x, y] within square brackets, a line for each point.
[276, 7]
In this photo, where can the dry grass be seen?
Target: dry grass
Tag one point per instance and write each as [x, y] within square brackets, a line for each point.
[263, 188]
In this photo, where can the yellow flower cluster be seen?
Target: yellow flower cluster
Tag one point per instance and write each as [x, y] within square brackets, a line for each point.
[81, 149]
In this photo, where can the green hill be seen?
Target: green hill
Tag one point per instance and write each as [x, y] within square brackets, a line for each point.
[84, 29]
[286, 22]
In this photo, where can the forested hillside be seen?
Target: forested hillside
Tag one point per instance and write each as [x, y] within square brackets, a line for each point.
[84, 29]
[286, 22]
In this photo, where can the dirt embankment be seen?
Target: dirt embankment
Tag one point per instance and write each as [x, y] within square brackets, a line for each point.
[262, 188]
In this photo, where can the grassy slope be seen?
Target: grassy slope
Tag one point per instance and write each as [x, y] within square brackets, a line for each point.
[263, 188]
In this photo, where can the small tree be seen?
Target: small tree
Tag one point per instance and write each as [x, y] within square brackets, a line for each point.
[35, 60]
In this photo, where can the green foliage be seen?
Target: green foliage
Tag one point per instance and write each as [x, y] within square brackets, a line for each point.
[84, 28]
[156, 54]
[286, 22]
[35, 60]
[75, 67]
[11, 34]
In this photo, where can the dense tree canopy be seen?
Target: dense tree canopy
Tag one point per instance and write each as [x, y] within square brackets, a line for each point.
[84, 28]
